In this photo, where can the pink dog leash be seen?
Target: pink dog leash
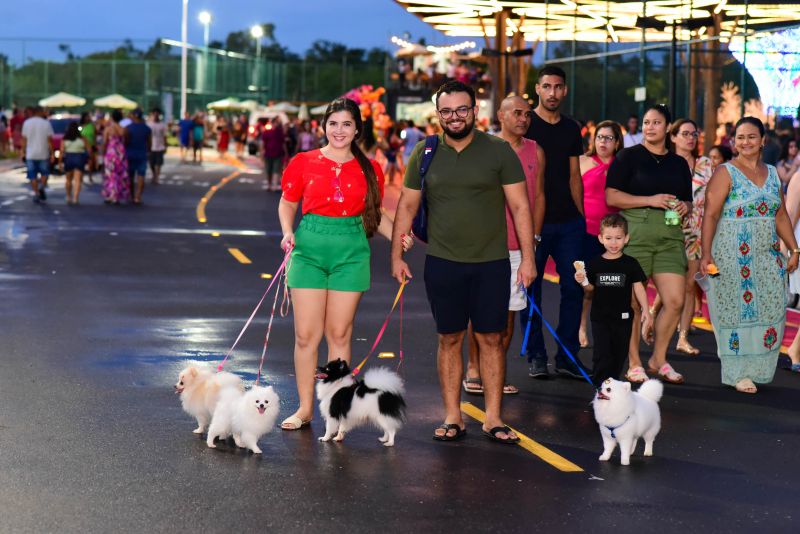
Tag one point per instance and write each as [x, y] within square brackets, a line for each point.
[275, 278]
[284, 305]
[397, 299]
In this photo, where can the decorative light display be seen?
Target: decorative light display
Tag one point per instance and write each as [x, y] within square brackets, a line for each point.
[402, 43]
[595, 20]
[774, 62]
[453, 48]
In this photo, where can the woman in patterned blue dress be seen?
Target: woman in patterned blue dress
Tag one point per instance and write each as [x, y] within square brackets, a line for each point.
[745, 214]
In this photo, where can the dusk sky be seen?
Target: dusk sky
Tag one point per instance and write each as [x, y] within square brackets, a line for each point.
[357, 23]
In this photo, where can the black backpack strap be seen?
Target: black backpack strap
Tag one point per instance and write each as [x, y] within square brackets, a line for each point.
[431, 143]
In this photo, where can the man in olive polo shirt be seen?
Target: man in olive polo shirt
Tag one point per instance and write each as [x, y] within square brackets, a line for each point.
[467, 271]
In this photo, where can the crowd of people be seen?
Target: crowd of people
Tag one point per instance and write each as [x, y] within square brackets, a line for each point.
[121, 147]
[632, 209]
[613, 207]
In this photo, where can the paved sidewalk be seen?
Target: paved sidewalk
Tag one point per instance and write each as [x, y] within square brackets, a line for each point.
[9, 164]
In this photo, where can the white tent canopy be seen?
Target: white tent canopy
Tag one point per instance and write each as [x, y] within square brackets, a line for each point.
[249, 105]
[115, 101]
[286, 107]
[227, 104]
[319, 110]
[62, 100]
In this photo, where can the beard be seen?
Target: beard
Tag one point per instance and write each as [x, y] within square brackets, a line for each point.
[549, 106]
[460, 134]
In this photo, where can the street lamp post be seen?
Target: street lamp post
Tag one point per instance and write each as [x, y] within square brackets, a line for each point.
[257, 32]
[184, 31]
[205, 20]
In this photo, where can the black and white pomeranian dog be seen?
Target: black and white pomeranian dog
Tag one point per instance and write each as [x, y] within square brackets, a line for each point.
[346, 403]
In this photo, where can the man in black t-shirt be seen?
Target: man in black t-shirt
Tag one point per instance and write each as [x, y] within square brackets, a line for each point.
[612, 277]
[564, 228]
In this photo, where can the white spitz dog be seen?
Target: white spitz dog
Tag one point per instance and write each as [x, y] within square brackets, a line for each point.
[246, 416]
[199, 389]
[346, 403]
[625, 416]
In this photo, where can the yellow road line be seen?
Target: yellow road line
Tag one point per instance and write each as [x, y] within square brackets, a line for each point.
[557, 461]
[239, 255]
[201, 206]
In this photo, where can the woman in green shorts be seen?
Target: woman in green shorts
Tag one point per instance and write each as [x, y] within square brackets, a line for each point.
[341, 191]
[653, 187]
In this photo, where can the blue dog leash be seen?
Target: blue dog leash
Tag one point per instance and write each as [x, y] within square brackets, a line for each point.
[534, 307]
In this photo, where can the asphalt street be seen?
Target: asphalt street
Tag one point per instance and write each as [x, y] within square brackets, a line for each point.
[103, 305]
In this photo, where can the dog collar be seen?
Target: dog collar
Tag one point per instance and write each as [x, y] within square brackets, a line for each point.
[612, 429]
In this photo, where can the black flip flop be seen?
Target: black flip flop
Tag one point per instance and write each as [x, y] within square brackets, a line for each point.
[492, 435]
[460, 432]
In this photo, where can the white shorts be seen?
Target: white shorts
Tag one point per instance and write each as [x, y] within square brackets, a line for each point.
[518, 300]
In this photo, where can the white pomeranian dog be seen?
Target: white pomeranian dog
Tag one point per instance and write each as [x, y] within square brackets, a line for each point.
[246, 416]
[199, 389]
[346, 403]
[625, 416]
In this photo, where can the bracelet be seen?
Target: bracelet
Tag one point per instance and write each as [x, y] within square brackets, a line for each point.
[796, 251]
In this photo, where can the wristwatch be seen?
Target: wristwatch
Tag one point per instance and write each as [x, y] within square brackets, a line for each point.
[796, 251]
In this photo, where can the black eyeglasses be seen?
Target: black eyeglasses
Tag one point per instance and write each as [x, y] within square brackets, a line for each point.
[461, 112]
[687, 135]
[608, 138]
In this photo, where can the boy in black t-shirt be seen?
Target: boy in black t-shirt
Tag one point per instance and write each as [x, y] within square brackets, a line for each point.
[612, 276]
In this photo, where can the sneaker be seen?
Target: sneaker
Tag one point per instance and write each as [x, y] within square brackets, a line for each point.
[42, 194]
[36, 199]
[538, 370]
[571, 370]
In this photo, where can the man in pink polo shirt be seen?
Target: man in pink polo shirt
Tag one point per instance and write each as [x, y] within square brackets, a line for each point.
[515, 118]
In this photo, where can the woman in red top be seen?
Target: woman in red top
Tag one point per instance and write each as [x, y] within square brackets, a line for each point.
[341, 191]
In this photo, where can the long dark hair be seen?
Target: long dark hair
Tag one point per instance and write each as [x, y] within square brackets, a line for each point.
[785, 149]
[368, 137]
[72, 132]
[372, 205]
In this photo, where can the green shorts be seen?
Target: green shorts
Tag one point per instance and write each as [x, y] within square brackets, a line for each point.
[330, 253]
[657, 247]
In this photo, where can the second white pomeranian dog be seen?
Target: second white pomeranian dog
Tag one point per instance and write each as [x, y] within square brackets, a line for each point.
[199, 388]
[246, 416]
[625, 416]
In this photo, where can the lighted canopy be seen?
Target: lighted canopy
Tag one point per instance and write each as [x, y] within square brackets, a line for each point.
[596, 20]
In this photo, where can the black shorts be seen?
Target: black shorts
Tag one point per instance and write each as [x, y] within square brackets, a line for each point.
[273, 165]
[462, 292]
[156, 158]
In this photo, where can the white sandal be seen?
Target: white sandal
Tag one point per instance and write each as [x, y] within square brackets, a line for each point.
[294, 423]
[636, 375]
